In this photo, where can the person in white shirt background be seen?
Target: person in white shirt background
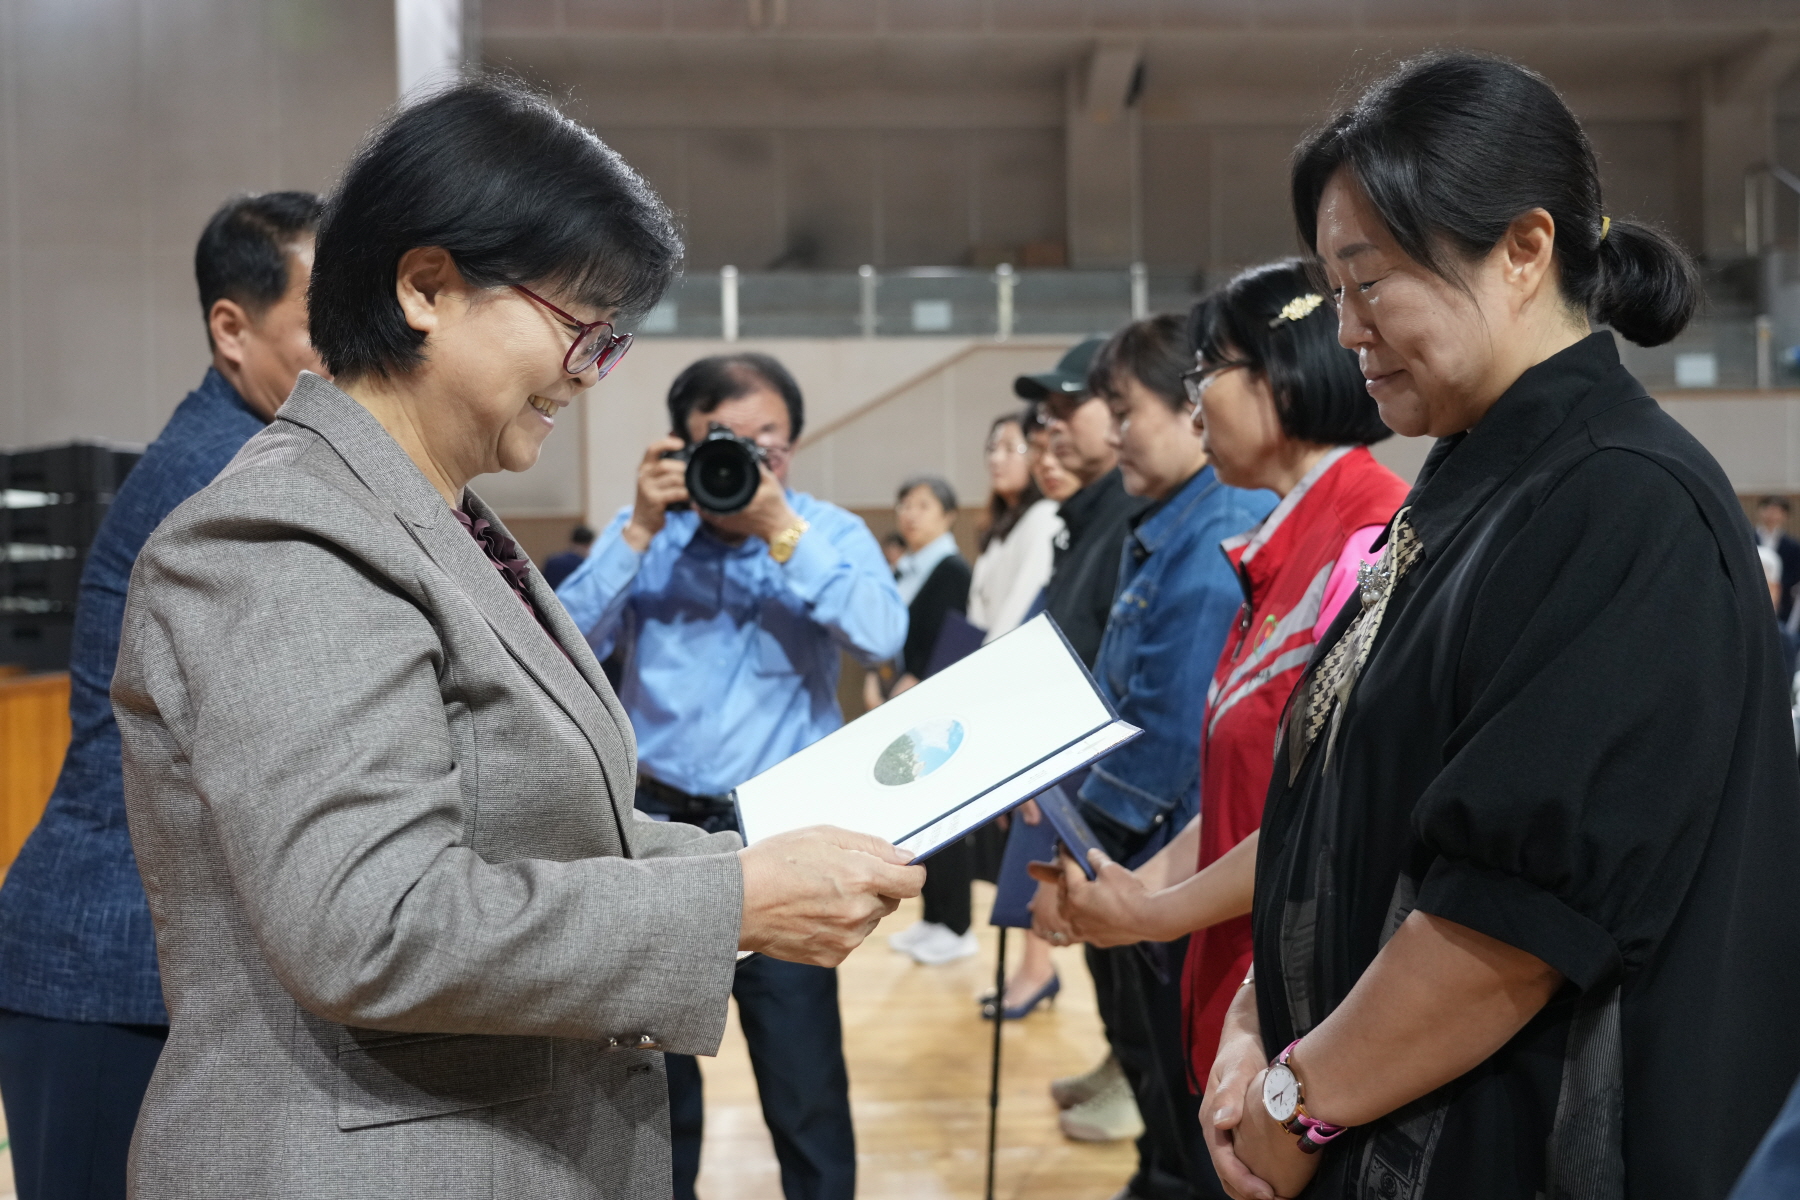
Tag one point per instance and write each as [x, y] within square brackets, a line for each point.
[1017, 546]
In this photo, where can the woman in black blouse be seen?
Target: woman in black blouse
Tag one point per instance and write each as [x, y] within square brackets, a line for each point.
[1521, 921]
[933, 578]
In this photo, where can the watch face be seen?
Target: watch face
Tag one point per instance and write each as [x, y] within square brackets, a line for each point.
[1281, 1093]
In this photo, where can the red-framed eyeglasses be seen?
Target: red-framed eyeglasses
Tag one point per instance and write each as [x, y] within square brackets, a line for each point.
[595, 341]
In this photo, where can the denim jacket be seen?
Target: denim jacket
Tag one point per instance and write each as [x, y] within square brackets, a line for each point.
[1176, 600]
[75, 936]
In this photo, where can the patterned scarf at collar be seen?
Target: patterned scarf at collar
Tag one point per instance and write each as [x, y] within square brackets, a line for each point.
[512, 564]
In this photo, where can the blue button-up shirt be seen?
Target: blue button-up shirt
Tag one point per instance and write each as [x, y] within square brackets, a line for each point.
[1176, 600]
[75, 935]
[730, 659]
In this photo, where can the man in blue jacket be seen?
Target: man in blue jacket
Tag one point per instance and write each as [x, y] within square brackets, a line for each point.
[81, 1009]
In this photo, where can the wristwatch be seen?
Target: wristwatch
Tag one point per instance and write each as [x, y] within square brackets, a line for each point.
[781, 547]
[1281, 1096]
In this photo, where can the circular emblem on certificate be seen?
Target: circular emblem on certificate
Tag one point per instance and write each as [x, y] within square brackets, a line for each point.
[918, 752]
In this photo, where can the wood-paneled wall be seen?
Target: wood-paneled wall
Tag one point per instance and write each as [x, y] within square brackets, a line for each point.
[34, 735]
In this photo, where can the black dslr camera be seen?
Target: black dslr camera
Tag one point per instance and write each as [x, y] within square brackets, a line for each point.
[723, 470]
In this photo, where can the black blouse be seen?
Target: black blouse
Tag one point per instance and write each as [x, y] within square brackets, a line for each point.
[945, 590]
[1571, 735]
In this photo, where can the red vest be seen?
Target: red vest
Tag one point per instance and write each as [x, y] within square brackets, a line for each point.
[1284, 565]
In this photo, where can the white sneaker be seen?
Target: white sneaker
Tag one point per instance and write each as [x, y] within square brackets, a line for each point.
[940, 946]
[904, 941]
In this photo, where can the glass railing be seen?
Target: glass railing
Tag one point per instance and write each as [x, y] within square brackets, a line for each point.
[1720, 350]
[916, 302]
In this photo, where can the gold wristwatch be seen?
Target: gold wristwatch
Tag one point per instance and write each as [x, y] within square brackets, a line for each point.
[781, 547]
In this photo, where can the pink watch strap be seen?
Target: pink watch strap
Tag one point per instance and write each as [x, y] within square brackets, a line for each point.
[1313, 1133]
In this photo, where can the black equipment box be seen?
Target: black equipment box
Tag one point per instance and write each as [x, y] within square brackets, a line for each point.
[81, 468]
[36, 643]
[40, 588]
[69, 525]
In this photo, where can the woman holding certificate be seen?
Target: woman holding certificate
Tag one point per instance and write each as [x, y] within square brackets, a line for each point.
[414, 939]
[1520, 896]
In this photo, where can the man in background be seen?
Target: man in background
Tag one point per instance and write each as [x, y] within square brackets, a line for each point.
[82, 1021]
[727, 631]
[561, 566]
[1097, 518]
[1772, 514]
[1098, 1105]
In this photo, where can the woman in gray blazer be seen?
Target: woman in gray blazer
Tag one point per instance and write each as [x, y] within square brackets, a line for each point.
[415, 940]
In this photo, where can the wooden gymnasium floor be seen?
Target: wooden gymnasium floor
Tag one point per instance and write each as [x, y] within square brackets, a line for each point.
[919, 1056]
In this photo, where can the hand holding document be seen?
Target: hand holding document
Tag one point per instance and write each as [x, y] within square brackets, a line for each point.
[969, 743]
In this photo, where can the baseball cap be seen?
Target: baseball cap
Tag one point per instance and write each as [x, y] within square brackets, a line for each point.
[1067, 378]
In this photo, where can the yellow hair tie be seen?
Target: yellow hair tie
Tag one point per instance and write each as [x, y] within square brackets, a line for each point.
[1605, 227]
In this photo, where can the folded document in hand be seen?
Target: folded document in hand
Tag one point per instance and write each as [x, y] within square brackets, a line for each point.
[976, 739]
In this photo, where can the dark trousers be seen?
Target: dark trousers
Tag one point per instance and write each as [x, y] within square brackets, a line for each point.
[1138, 992]
[948, 876]
[72, 1091]
[1142, 1016]
[789, 1014]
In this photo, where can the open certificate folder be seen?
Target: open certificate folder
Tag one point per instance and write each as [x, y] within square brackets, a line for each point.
[980, 737]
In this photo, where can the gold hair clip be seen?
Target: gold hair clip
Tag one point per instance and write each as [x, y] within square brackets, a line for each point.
[1298, 308]
[1605, 227]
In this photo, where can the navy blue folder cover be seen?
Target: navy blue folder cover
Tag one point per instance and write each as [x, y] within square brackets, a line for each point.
[1037, 843]
[1073, 832]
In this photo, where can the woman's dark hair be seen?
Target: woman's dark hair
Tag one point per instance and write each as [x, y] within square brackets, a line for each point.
[1155, 351]
[940, 489]
[1001, 515]
[710, 382]
[1318, 388]
[1451, 148]
[244, 250]
[516, 193]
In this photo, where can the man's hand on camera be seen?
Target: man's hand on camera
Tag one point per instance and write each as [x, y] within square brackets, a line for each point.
[767, 515]
[660, 482]
[812, 895]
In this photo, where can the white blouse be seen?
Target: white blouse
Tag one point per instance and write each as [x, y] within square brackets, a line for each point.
[1013, 570]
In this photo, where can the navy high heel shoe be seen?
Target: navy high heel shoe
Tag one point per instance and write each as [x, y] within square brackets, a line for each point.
[1019, 1012]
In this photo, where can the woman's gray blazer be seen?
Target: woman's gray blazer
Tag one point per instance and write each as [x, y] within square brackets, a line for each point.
[414, 939]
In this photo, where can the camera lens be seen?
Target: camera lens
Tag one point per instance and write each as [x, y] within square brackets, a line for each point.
[723, 474]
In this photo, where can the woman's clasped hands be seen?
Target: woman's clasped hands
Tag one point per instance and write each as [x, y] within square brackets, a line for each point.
[1256, 1159]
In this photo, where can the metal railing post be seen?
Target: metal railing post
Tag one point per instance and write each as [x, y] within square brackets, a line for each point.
[1765, 353]
[865, 280]
[1140, 291]
[728, 303]
[1003, 301]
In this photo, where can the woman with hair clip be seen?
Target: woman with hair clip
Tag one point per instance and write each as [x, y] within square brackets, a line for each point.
[1283, 407]
[1518, 927]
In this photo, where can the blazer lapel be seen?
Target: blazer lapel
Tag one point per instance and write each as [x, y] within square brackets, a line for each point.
[574, 682]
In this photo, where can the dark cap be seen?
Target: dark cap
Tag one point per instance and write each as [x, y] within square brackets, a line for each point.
[1068, 378]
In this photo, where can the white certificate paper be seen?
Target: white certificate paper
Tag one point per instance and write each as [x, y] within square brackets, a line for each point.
[978, 738]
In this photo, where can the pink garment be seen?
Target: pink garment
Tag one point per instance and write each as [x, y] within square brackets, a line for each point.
[1342, 583]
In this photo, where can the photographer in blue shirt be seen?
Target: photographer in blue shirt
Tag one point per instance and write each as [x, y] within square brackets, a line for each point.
[725, 630]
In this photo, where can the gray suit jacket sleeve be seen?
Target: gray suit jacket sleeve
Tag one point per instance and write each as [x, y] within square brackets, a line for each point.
[286, 665]
[651, 838]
